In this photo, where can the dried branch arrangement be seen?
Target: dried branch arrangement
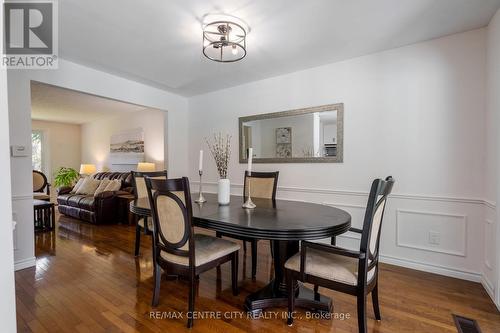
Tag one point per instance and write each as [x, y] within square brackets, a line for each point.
[220, 148]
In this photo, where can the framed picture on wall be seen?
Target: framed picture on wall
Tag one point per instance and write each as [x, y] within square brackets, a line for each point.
[283, 135]
[284, 150]
[126, 150]
[284, 142]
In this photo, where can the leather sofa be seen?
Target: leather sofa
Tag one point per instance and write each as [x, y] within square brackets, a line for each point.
[101, 209]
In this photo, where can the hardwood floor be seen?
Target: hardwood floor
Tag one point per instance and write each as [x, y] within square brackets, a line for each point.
[87, 280]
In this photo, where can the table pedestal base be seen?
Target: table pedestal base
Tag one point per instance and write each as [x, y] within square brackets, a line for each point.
[267, 297]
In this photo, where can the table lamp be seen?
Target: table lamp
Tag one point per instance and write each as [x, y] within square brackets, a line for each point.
[87, 169]
[146, 167]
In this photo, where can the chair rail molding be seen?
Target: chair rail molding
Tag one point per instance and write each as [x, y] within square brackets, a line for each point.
[458, 213]
[365, 194]
[490, 205]
[17, 197]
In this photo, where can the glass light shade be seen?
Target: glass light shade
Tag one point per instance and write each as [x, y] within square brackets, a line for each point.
[145, 167]
[87, 169]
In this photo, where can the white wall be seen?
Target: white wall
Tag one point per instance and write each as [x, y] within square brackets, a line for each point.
[96, 137]
[62, 145]
[492, 184]
[302, 134]
[7, 300]
[415, 112]
[80, 78]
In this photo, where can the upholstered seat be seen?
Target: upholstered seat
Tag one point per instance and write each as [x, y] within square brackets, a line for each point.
[348, 271]
[74, 200]
[101, 207]
[176, 248]
[41, 196]
[87, 202]
[207, 248]
[41, 187]
[141, 223]
[261, 185]
[329, 266]
[62, 199]
[140, 191]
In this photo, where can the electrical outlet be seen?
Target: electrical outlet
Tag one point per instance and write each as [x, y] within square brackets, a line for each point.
[14, 220]
[434, 237]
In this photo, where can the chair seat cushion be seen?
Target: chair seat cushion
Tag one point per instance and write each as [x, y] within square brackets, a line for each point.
[41, 196]
[329, 266]
[81, 201]
[74, 200]
[62, 199]
[207, 248]
[87, 203]
[150, 223]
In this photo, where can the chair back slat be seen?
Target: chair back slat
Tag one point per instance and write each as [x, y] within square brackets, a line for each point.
[374, 215]
[170, 201]
[139, 184]
[39, 181]
[376, 225]
[261, 184]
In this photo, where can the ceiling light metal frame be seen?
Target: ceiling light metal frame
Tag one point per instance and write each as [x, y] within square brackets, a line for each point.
[218, 35]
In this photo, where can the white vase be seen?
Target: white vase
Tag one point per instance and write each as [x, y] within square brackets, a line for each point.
[224, 191]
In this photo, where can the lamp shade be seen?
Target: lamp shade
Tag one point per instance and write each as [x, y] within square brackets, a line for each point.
[87, 169]
[146, 167]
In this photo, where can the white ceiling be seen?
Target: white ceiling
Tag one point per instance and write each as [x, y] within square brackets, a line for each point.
[159, 42]
[52, 103]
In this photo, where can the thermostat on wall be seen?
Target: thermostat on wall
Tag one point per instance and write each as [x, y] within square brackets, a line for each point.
[18, 151]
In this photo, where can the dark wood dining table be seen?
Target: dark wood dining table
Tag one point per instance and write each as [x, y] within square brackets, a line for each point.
[285, 223]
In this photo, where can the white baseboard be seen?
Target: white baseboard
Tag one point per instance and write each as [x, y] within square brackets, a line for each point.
[488, 286]
[24, 263]
[432, 268]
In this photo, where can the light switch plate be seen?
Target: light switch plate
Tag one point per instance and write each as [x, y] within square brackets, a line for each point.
[19, 151]
[434, 237]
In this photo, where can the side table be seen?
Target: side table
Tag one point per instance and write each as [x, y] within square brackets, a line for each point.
[44, 215]
[124, 214]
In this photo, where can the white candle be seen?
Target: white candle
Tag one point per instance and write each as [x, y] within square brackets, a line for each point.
[200, 166]
[250, 158]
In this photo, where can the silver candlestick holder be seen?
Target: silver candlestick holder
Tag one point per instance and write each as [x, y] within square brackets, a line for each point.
[249, 204]
[201, 198]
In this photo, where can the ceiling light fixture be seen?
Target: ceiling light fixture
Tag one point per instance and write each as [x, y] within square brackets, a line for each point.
[224, 41]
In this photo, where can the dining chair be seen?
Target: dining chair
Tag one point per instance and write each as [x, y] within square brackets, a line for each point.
[143, 223]
[41, 186]
[262, 185]
[176, 248]
[347, 271]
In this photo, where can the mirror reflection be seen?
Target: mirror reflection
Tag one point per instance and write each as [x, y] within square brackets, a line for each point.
[305, 135]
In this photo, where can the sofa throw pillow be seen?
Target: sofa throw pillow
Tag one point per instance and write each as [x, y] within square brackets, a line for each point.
[114, 185]
[89, 186]
[102, 186]
[77, 185]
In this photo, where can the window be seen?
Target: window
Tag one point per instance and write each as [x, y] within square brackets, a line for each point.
[37, 150]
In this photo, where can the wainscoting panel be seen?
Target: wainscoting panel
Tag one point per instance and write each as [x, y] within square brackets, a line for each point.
[434, 232]
[24, 246]
[489, 244]
[489, 247]
[405, 232]
[357, 214]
